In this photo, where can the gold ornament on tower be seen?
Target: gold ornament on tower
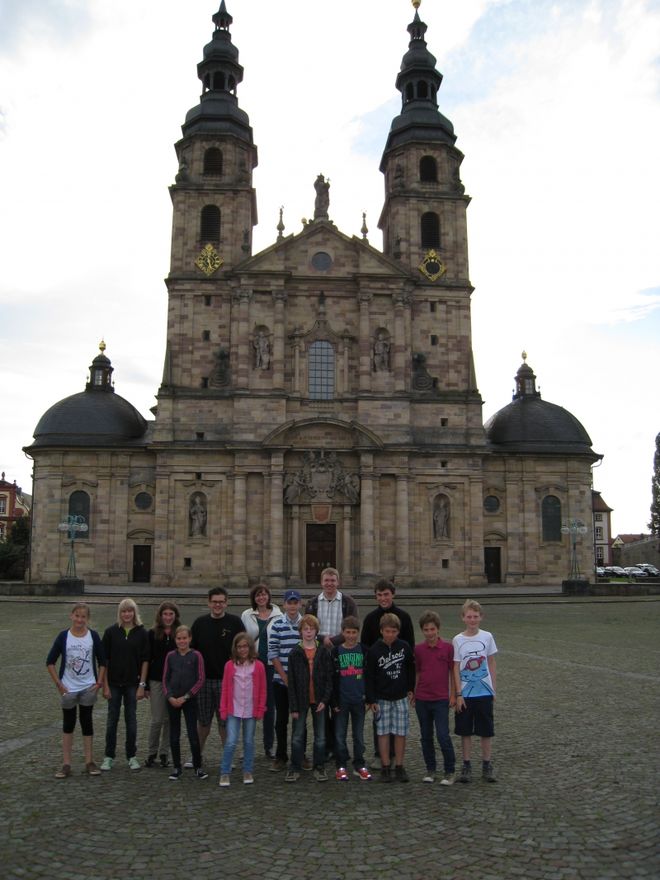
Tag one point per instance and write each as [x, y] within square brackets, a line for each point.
[432, 266]
[209, 260]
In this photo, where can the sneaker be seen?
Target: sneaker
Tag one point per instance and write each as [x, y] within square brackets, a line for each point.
[163, 761]
[150, 761]
[106, 763]
[175, 774]
[277, 766]
[363, 773]
[92, 769]
[466, 773]
[134, 764]
[385, 774]
[307, 764]
[487, 773]
[188, 765]
[320, 775]
[64, 773]
[448, 779]
[292, 776]
[200, 773]
[400, 774]
[248, 779]
[341, 775]
[428, 777]
[225, 782]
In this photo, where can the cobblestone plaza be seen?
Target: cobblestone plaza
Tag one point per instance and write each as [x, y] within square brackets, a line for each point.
[576, 754]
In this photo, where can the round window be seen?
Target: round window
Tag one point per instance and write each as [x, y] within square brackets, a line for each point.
[321, 261]
[143, 501]
[491, 504]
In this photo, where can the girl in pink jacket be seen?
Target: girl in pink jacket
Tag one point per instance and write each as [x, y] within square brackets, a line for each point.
[243, 700]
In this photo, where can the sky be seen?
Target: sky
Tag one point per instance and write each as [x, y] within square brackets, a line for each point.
[556, 106]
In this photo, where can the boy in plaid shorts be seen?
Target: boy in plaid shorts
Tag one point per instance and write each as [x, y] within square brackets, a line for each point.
[389, 685]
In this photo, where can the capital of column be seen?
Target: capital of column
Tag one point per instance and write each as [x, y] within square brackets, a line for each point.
[364, 298]
[241, 295]
[402, 299]
[279, 297]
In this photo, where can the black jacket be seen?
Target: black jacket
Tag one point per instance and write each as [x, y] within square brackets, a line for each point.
[125, 653]
[371, 626]
[299, 677]
[390, 673]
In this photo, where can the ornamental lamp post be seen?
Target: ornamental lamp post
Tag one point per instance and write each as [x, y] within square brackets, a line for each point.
[73, 525]
[574, 528]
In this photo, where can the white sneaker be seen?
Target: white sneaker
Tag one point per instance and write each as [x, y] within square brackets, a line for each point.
[107, 763]
[224, 782]
[448, 779]
[429, 777]
[188, 765]
[248, 779]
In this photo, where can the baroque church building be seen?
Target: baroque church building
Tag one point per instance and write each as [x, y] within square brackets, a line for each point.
[319, 404]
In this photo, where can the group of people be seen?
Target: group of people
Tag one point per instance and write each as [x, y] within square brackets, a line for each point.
[279, 666]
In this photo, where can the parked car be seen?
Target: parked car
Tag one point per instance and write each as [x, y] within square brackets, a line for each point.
[633, 571]
[600, 571]
[651, 569]
[615, 571]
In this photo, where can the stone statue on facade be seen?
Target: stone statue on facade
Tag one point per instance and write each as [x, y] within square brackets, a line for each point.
[441, 517]
[381, 353]
[322, 201]
[197, 515]
[261, 351]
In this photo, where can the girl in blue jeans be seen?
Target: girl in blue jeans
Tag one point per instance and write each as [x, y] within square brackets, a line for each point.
[242, 702]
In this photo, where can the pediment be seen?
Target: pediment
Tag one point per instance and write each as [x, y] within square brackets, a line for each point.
[298, 255]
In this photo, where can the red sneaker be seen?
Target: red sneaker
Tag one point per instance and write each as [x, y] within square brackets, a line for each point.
[341, 775]
[363, 773]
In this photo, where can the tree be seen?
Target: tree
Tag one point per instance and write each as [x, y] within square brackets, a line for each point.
[654, 524]
[13, 550]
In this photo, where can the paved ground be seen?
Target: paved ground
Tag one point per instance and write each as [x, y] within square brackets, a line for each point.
[577, 755]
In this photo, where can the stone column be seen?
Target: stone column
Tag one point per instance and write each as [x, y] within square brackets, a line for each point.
[239, 529]
[279, 299]
[366, 567]
[294, 567]
[365, 341]
[242, 374]
[399, 343]
[276, 517]
[346, 567]
[402, 526]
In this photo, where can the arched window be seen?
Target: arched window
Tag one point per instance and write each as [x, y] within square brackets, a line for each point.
[210, 223]
[430, 230]
[79, 506]
[321, 365]
[218, 80]
[428, 169]
[410, 92]
[422, 89]
[213, 162]
[551, 518]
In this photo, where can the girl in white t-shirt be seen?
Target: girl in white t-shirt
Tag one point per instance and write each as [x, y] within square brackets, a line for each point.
[81, 674]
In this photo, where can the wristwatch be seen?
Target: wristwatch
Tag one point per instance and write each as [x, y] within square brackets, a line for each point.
[142, 684]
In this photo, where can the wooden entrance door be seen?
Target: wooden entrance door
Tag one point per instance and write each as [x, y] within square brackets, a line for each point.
[321, 550]
[141, 564]
[493, 564]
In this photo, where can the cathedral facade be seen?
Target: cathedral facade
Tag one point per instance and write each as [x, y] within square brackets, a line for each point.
[319, 404]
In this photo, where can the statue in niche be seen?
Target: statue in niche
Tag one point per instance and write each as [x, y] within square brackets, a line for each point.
[322, 201]
[261, 347]
[182, 175]
[381, 353]
[197, 515]
[441, 517]
[398, 175]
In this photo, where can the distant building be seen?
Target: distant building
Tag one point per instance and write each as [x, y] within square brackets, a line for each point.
[602, 529]
[319, 404]
[13, 505]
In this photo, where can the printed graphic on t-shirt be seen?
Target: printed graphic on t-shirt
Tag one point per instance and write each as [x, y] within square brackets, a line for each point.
[474, 669]
[351, 675]
[78, 671]
[392, 663]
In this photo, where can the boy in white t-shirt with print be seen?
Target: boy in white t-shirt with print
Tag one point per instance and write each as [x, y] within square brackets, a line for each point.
[475, 682]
